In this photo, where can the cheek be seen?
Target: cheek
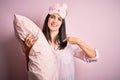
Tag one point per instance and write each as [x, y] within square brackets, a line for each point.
[49, 23]
[60, 23]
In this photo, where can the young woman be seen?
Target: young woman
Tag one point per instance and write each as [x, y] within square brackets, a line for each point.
[64, 48]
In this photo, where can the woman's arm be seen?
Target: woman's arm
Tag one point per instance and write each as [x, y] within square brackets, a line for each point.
[86, 48]
[27, 44]
[90, 52]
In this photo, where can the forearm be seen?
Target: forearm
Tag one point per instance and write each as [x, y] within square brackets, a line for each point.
[90, 52]
[26, 51]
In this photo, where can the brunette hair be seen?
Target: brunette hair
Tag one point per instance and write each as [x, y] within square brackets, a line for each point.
[61, 35]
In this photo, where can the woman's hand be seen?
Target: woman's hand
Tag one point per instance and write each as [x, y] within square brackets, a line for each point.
[72, 40]
[30, 40]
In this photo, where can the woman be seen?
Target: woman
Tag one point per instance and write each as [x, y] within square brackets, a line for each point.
[64, 48]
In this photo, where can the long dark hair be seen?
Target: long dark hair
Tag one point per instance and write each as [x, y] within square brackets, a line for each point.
[61, 35]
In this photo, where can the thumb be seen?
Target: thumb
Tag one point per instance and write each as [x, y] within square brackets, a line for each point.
[65, 40]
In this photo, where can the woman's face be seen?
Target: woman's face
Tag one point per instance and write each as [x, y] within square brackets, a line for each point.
[54, 22]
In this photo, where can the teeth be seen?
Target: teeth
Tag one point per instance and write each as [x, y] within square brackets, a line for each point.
[54, 25]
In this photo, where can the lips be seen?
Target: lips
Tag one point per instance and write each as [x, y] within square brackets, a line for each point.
[53, 25]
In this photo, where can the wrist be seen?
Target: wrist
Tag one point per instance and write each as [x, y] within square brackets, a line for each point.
[79, 42]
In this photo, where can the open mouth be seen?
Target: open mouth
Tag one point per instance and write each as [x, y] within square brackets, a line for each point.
[53, 25]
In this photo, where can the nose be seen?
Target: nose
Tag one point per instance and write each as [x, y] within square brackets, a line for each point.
[55, 19]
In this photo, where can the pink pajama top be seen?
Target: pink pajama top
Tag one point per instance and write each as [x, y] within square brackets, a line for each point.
[64, 60]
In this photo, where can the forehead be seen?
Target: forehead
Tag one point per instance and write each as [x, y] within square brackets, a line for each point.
[56, 15]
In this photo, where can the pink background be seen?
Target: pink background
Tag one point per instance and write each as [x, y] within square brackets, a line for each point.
[95, 21]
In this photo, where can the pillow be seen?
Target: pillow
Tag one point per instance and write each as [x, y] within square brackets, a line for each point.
[41, 58]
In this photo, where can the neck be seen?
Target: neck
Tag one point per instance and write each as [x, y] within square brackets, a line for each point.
[53, 35]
